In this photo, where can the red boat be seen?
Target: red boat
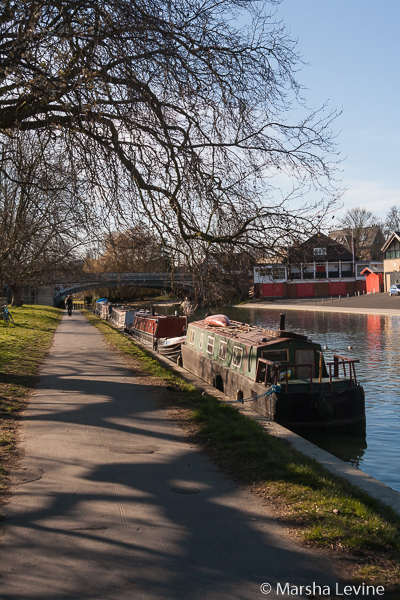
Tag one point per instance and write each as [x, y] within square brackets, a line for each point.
[154, 330]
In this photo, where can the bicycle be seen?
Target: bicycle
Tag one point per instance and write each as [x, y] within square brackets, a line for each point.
[7, 316]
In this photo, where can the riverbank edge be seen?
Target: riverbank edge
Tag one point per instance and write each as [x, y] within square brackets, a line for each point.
[320, 308]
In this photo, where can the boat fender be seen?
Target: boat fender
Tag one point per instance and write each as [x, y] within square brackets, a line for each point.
[323, 408]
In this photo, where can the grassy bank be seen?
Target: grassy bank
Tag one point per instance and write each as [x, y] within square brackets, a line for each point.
[323, 510]
[22, 348]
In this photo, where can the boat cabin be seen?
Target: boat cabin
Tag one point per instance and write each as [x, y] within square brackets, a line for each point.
[250, 351]
[280, 374]
[121, 317]
[148, 328]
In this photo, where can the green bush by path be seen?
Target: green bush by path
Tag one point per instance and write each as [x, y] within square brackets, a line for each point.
[324, 509]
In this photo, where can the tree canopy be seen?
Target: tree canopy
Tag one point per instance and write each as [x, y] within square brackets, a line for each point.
[43, 227]
[180, 113]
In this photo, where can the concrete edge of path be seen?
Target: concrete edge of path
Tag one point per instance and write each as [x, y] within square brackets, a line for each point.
[318, 308]
[375, 488]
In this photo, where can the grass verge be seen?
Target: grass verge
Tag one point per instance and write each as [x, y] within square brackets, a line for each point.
[325, 511]
[22, 348]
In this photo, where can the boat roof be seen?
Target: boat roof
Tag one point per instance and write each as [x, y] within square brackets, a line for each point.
[144, 315]
[249, 334]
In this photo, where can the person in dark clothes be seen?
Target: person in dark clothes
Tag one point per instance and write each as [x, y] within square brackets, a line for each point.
[69, 305]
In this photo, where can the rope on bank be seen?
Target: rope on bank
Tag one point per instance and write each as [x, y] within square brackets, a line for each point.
[273, 389]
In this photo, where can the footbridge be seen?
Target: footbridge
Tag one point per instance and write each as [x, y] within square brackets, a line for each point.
[90, 281]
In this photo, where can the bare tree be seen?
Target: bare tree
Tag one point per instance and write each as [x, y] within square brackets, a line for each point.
[392, 221]
[42, 227]
[134, 250]
[176, 110]
[360, 227]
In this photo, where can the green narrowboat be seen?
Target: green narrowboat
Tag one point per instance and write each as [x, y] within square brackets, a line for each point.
[280, 374]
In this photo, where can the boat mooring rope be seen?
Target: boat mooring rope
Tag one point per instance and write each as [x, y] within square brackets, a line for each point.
[273, 389]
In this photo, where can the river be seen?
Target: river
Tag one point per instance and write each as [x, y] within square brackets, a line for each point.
[374, 340]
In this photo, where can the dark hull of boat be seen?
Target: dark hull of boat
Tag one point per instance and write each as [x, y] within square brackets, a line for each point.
[299, 407]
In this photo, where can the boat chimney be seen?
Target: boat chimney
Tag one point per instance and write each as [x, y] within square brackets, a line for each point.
[282, 322]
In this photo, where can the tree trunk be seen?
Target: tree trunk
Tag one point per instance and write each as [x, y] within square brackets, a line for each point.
[16, 295]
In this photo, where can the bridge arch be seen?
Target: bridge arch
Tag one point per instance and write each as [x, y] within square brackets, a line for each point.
[162, 281]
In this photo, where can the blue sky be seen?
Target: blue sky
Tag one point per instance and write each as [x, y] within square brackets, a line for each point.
[352, 48]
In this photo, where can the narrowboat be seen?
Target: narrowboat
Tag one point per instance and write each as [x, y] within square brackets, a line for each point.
[103, 308]
[121, 317]
[156, 331]
[280, 374]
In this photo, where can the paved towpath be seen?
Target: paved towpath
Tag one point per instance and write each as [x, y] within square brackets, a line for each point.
[110, 501]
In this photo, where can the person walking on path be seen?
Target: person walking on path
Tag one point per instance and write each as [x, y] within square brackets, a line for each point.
[69, 305]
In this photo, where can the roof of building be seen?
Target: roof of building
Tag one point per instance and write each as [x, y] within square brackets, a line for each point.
[345, 235]
[394, 235]
[334, 249]
[372, 270]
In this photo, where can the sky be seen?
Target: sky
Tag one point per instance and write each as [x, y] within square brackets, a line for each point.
[352, 51]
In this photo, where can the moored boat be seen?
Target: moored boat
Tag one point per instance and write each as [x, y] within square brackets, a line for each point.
[121, 317]
[280, 374]
[102, 308]
[155, 330]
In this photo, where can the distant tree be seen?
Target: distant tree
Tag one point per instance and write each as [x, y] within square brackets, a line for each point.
[392, 221]
[361, 227]
[136, 250]
[42, 227]
[182, 108]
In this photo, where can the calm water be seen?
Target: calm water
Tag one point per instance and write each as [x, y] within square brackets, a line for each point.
[375, 342]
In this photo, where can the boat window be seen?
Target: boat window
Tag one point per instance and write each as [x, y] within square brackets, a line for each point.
[201, 341]
[192, 336]
[222, 350]
[237, 356]
[276, 355]
[210, 345]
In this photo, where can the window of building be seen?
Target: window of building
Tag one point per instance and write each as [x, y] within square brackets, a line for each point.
[192, 336]
[222, 350]
[237, 356]
[272, 272]
[319, 251]
[210, 344]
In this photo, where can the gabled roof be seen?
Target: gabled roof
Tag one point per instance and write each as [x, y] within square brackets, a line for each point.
[334, 249]
[372, 270]
[394, 235]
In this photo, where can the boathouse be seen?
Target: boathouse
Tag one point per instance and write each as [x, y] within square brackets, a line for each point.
[319, 267]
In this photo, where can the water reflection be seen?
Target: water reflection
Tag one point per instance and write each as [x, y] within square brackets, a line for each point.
[347, 445]
[374, 340]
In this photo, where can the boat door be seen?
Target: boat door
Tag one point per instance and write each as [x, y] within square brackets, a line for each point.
[304, 356]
